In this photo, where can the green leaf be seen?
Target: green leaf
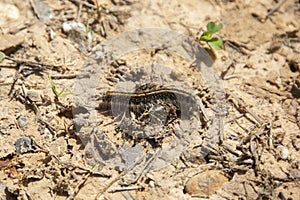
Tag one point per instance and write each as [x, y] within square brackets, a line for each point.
[54, 89]
[2, 56]
[63, 95]
[213, 27]
[60, 93]
[205, 37]
[216, 43]
[206, 33]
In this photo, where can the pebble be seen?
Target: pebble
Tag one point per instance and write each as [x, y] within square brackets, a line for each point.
[22, 121]
[205, 183]
[72, 25]
[42, 10]
[27, 72]
[283, 152]
[34, 96]
[23, 145]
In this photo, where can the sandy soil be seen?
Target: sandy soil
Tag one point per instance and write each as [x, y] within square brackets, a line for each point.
[58, 146]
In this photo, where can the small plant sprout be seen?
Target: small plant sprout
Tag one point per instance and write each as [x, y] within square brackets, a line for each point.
[55, 91]
[214, 42]
[2, 56]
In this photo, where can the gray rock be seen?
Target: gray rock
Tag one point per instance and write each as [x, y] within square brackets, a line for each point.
[23, 145]
[22, 121]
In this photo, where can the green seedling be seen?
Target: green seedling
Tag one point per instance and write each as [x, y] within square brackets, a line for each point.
[214, 42]
[2, 56]
[55, 91]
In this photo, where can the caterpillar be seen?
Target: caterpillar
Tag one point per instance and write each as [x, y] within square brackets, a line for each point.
[174, 101]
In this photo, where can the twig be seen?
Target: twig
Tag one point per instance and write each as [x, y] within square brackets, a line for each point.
[91, 171]
[202, 196]
[234, 119]
[125, 189]
[253, 144]
[239, 125]
[111, 183]
[36, 65]
[26, 100]
[259, 121]
[76, 190]
[253, 151]
[271, 136]
[221, 120]
[41, 120]
[224, 72]
[143, 169]
[247, 138]
[275, 8]
[231, 149]
[69, 165]
[117, 178]
[63, 76]
[85, 3]
[202, 108]
[237, 46]
[231, 77]
[79, 12]
[16, 78]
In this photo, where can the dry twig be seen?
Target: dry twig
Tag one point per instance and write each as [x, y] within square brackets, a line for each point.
[244, 107]
[80, 184]
[125, 189]
[275, 8]
[35, 65]
[117, 178]
[63, 76]
[85, 3]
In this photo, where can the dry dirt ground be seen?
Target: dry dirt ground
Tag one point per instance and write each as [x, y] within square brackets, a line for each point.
[255, 152]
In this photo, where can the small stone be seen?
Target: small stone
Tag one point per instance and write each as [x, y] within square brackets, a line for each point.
[34, 96]
[23, 145]
[152, 184]
[47, 134]
[205, 183]
[283, 152]
[72, 25]
[22, 121]
[42, 10]
[27, 72]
